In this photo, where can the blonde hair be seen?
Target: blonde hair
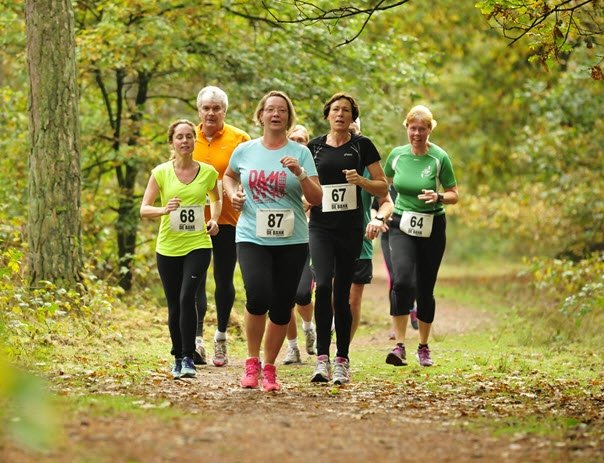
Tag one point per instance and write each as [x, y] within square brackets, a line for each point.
[291, 116]
[420, 113]
[299, 128]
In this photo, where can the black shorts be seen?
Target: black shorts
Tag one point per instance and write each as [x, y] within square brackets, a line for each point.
[363, 272]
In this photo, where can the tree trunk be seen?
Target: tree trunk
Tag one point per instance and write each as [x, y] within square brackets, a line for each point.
[128, 210]
[54, 225]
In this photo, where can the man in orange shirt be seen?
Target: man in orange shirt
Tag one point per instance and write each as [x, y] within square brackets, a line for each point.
[214, 145]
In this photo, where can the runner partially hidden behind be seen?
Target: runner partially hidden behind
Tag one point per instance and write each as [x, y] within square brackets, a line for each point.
[384, 237]
[336, 228]
[214, 145]
[183, 246]
[265, 180]
[417, 231]
[375, 222]
[304, 304]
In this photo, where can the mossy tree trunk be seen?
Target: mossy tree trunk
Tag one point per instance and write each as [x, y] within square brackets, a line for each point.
[54, 223]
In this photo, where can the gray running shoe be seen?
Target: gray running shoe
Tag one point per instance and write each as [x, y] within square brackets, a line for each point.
[341, 371]
[322, 373]
[188, 368]
[292, 356]
[311, 341]
[220, 358]
[177, 368]
[199, 356]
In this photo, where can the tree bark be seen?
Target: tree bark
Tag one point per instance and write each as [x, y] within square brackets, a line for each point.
[54, 223]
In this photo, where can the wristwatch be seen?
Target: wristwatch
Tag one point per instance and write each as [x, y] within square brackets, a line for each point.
[441, 197]
[379, 217]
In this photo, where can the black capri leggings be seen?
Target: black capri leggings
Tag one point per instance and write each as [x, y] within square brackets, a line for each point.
[306, 285]
[384, 244]
[270, 277]
[415, 264]
[181, 277]
[224, 259]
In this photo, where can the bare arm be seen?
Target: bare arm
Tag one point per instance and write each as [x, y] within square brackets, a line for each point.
[450, 196]
[148, 210]
[311, 188]
[375, 226]
[375, 186]
[233, 189]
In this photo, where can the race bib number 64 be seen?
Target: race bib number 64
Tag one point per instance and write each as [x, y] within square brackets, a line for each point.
[187, 219]
[416, 224]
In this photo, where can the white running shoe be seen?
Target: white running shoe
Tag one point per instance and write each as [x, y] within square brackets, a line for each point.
[341, 371]
[292, 356]
[220, 358]
[311, 341]
[322, 373]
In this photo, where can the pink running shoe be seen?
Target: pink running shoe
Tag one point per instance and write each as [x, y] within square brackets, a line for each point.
[269, 381]
[397, 356]
[252, 373]
[423, 356]
[413, 318]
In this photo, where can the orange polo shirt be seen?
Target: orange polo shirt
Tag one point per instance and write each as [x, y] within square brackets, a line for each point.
[217, 153]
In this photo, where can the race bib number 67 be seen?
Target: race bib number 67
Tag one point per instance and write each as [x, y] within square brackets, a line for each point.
[187, 219]
[416, 224]
[339, 197]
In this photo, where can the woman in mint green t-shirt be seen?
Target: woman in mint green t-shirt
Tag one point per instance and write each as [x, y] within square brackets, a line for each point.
[419, 172]
[183, 245]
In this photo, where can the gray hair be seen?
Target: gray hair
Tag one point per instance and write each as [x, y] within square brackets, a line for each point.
[213, 94]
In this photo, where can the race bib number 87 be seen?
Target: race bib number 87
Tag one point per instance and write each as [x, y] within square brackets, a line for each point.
[416, 224]
[274, 223]
[187, 219]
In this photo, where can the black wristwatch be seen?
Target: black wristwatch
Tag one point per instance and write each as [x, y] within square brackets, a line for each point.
[441, 198]
[377, 217]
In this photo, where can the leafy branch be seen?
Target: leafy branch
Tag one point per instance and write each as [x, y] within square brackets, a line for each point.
[311, 12]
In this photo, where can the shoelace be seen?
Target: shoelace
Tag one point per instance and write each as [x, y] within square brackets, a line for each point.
[251, 369]
[269, 376]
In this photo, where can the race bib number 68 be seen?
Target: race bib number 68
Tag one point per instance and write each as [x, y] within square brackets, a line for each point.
[187, 219]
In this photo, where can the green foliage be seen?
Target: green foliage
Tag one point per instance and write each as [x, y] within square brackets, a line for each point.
[577, 288]
[552, 28]
[26, 414]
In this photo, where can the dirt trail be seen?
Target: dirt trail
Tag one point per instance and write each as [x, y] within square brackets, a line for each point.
[220, 422]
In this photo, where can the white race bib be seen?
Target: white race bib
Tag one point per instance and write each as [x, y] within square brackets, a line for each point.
[274, 223]
[339, 197]
[219, 185]
[187, 219]
[416, 224]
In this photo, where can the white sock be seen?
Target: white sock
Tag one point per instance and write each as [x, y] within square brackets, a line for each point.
[292, 343]
[219, 336]
[308, 325]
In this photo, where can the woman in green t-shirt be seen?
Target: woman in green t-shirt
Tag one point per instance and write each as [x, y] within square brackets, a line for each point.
[417, 236]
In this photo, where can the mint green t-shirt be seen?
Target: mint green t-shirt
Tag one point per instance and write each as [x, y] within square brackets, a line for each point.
[179, 243]
[411, 174]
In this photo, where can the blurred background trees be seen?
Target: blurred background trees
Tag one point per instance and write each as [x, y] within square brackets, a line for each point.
[523, 123]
